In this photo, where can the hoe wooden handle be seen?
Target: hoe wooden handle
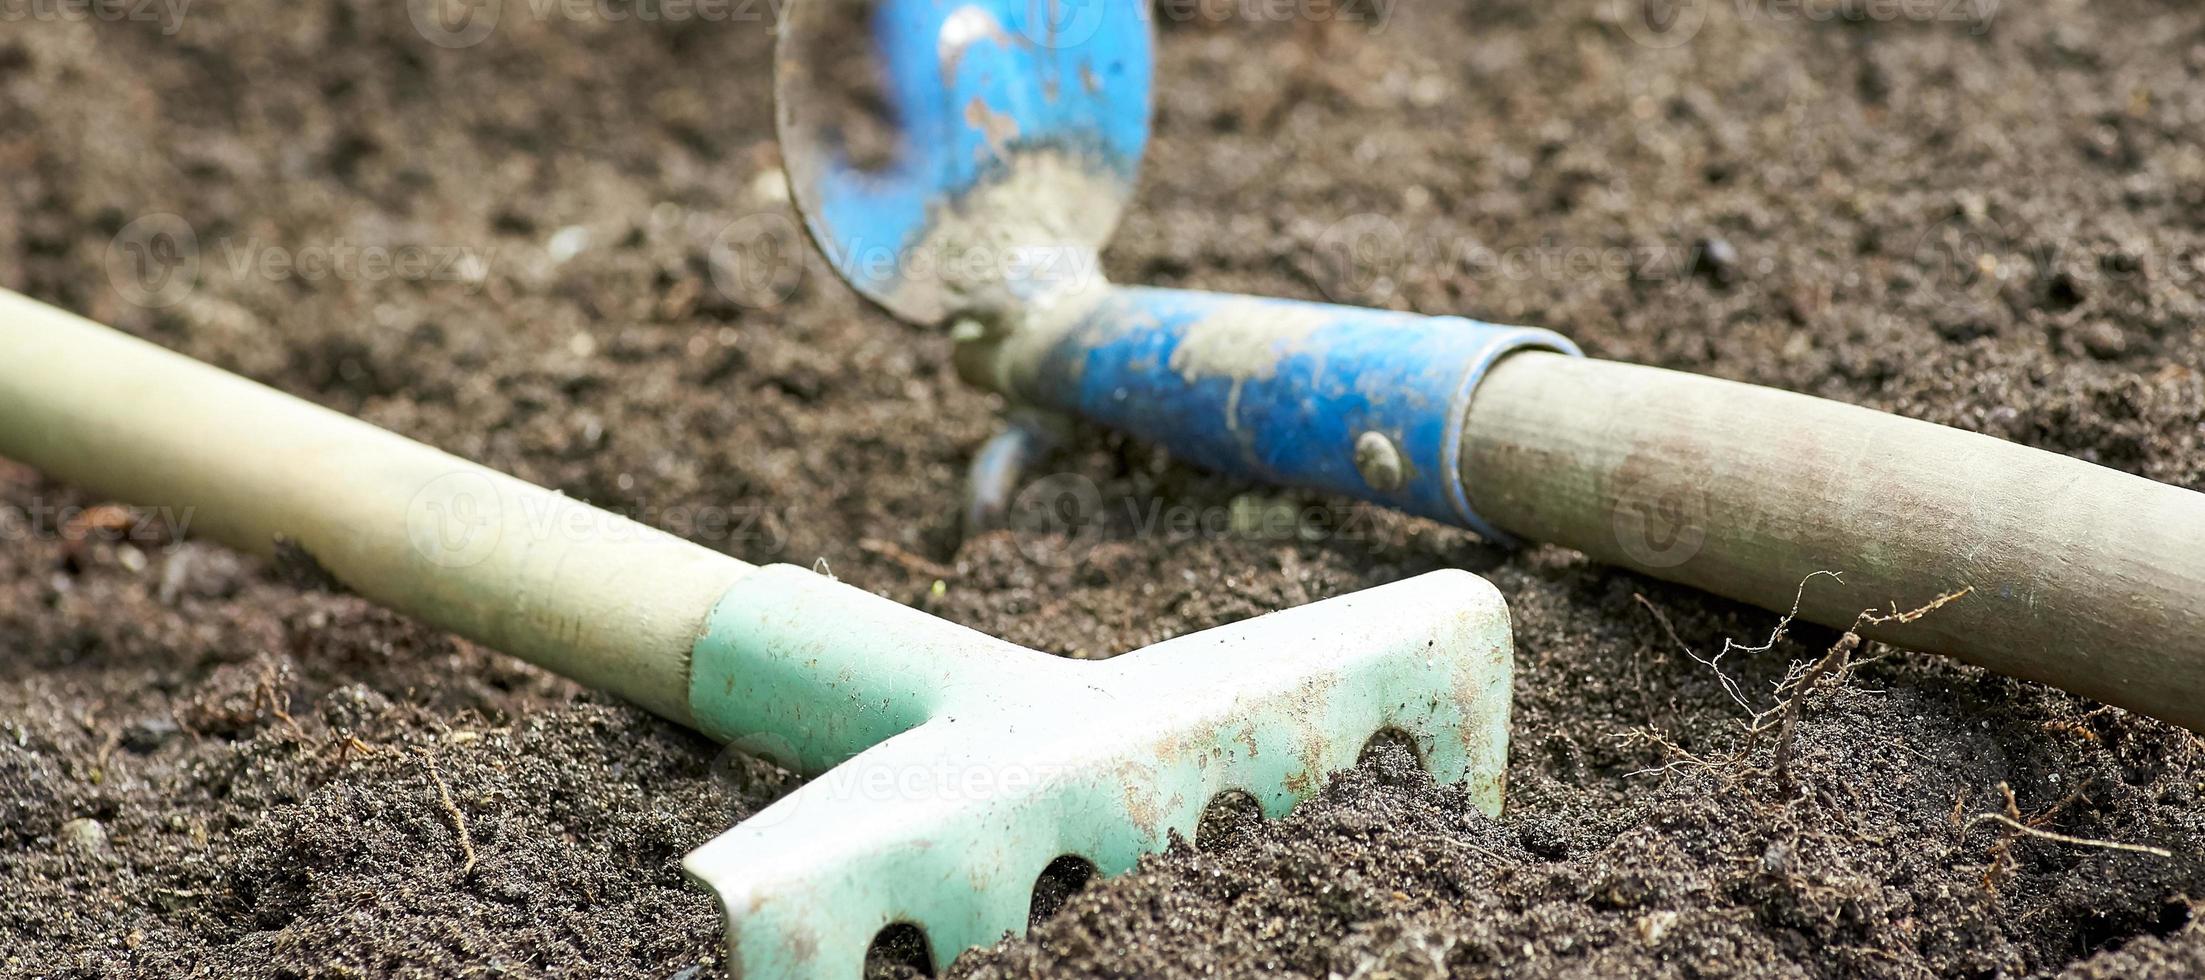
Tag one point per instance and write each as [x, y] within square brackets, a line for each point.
[2082, 576]
[601, 599]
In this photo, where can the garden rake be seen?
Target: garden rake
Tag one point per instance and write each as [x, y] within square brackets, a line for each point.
[954, 769]
[1022, 127]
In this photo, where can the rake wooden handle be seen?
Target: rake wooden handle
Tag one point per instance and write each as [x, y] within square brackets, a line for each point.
[2083, 577]
[604, 600]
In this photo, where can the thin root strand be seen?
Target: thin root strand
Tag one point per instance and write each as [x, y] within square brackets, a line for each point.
[459, 820]
[2021, 828]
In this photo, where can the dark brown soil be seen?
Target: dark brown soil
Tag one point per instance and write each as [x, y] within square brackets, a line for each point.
[1997, 224]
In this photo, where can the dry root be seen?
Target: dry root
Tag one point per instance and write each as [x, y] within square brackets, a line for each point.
[1834, 668]
[903, 556]
[2022, 828]
[459, 820]
[2018, 827]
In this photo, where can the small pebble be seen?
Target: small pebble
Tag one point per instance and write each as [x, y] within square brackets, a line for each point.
[771, 186]
[1716, 260]
[148, 734]
[1653, 926]
[86, 833]
[1777, 859]
[2104, 341]
[199, 571]
[568, 242]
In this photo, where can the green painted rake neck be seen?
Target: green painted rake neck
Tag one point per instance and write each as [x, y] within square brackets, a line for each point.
[807, 673]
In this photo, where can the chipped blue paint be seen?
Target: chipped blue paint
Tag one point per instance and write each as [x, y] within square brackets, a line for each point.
[1280, 391]
[976, 88]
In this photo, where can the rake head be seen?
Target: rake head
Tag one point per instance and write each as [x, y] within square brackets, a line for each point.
[953, 768]
[1009, 760]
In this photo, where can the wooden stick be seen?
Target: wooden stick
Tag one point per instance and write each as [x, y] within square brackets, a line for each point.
[2082, 577]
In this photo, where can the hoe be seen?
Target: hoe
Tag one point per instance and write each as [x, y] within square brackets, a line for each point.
[953, 768]
[1022, 128]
